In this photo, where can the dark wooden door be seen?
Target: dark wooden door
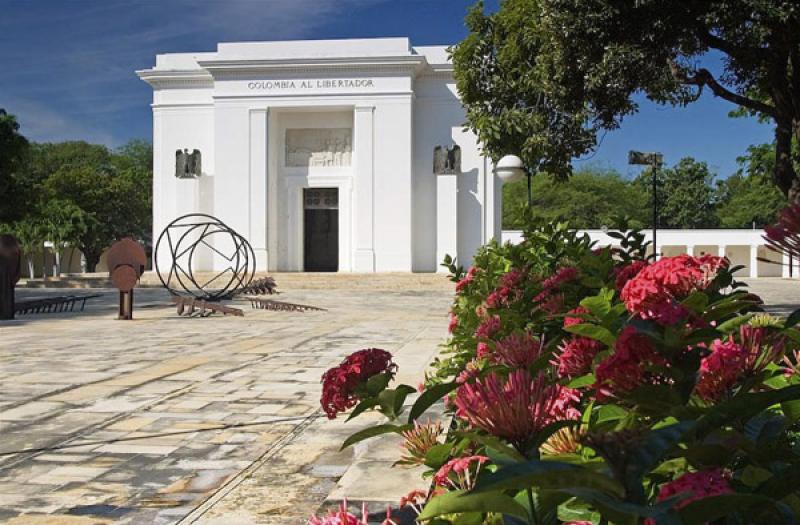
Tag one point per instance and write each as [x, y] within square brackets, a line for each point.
[321, 224]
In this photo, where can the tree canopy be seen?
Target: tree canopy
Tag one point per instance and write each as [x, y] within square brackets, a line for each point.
[13, 147]
[544, 78]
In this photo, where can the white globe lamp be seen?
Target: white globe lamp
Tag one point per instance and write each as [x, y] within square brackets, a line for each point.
[509, 169]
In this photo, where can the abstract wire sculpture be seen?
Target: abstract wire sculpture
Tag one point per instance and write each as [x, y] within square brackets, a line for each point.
[198, 237]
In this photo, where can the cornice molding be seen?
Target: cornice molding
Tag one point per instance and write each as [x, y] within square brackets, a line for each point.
[176, 78]
[242, 68]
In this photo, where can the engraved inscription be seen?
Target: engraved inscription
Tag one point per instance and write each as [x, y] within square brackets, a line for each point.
[319, 147]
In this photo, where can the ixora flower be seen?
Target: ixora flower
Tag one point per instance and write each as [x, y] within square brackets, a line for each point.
[720, 369]
[340, 384]
[418, 441]
[340, 516]
[629, 366]
[468, 278]
[453, 323]
[575, 356]
[518, 350]
[623, 274]
[458, 473]
[515, 408]
[548, 299]
[696, 485]
[488, 327]
[656, 289]
[574, 316]
[507, 289]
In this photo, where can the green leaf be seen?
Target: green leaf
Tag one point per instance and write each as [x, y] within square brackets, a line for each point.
[429, 397]
[459, 501]
[793, 319]
[547, 475]
[392, 400]
[372, 432]
[363, 406]
[592, 331]
[715, 507]
[623, 513]
[582, 381]
[744, 406]
[438, 455]
[656, 444]
[377, 383]
[493, 443]
[733, 324]
[600, 304]
[696, 302]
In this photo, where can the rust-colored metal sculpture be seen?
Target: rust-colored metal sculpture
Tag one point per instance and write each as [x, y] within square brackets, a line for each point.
[48, 305]
[263, 286]
[10, 265]
[126, 262]
[191, 307]
[279, 306]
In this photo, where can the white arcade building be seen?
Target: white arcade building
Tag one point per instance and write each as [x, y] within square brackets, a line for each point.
[323, 154]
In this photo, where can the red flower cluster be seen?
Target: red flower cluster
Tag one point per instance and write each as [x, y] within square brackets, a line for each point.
[548, 299]
[456, 472]
[623, 274]
[518, 350]
[655, 292]
[453, 323]
[507, 289]
[720, 369]
[696, 486]
[488, 327]
[576, 355]
[463, 283]
[340, 383]
[629, 366]
[573, 316]
[517, 407]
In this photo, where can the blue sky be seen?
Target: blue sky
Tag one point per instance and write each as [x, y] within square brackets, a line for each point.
[68, 66]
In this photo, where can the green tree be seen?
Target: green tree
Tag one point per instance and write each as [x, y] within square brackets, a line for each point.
[541, 78]
[116, 204]
[748, 198]
[13, 148]
[30, 234]
[64, 224]
[686, 197]
[589, 199]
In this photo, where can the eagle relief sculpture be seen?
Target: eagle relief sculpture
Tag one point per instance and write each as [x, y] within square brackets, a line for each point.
[188, 165]
[447, 160]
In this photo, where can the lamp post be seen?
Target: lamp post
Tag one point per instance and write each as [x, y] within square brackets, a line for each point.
[655, 160]
[511, 169]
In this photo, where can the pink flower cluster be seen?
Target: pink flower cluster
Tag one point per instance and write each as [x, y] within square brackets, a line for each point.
[655, 292]
[696, 485]
[518, 350]
[517, 407]
[720, 369]
[573, 317]
[488, 327]
[575, 356]
[452, 323]
[340, 383]
[623, 274]
[549, 299]
[629, 366]
[507, 289]
[466, 280]
[457, 473]
[341, 517]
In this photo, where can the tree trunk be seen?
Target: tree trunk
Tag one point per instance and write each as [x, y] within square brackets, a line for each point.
[30, 267]
[92, 259]
[785, 175]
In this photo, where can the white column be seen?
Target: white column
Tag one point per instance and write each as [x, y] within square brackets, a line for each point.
[690, 249]
[722, 249]
[364, 155]
[446, 217]
[785, 267]
[753, 267]
[259, 138]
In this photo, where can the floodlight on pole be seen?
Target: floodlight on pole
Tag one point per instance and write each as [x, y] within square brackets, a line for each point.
[510, 168]
[655, 160]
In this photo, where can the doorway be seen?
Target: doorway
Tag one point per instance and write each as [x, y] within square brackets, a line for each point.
[321, 229]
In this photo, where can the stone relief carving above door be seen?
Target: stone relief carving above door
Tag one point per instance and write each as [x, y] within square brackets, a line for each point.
[319, 147]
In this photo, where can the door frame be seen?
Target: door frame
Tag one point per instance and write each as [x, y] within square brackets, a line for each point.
[294, 186]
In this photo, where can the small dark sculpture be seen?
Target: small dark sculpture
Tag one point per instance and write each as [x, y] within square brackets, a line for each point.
[191, 307]
[126, 262]
[447, 160]
[188, 165]
[192, 237]
[10, 265]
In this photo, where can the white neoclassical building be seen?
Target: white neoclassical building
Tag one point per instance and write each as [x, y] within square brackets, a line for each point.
[322, 153]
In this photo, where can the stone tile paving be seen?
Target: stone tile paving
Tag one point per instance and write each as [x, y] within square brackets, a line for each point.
[137, 395]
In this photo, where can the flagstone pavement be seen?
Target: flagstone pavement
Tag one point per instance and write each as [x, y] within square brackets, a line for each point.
[119, 410]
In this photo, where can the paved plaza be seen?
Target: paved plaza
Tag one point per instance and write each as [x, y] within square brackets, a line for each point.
[119, 412]
[89, 380]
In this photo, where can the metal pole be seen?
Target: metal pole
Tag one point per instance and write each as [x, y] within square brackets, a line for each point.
[530, 196]
[655, 207]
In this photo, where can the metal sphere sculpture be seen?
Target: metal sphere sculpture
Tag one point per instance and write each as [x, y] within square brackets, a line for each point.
[200, 238]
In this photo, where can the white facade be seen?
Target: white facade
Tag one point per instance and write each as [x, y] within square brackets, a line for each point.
[745, 248]
[362, 117]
